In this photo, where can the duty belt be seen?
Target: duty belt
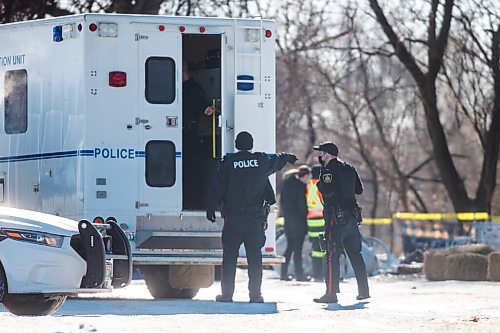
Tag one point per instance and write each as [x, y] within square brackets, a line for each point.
[243, 208]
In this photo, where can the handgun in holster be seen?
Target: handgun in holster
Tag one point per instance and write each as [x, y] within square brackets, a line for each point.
[322, 242]
[339, 214]
[265, 211]
[357, 214]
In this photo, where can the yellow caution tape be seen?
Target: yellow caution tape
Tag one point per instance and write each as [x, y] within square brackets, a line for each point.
[377, 220]
[475, 216]
[464, 217]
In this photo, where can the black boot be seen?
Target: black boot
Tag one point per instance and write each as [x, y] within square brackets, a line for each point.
[303, 278]
[256, 299]
[364, 296]
[284, 273]
[327, 298]
[223, 298]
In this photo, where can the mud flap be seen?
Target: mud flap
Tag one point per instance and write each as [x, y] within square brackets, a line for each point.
[94, 255]
[122, 268]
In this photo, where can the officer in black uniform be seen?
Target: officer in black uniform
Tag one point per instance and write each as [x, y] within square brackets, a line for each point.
[240, 184]
[339, 183]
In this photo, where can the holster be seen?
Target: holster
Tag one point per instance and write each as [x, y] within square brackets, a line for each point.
[357, 214]
[322, 242]
[340, 217]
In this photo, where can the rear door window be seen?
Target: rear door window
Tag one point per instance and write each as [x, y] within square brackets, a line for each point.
[160, 80]
[160, 163]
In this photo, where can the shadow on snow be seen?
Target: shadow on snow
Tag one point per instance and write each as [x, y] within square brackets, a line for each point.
[339, 307]
[83, 307]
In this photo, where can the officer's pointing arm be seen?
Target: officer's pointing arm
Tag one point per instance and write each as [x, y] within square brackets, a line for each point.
[278, 161]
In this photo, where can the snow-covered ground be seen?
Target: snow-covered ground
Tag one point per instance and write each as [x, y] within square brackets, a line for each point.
[398, 304]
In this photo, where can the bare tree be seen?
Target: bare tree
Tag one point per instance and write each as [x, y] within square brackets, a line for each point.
[425, 71]
[22, 10]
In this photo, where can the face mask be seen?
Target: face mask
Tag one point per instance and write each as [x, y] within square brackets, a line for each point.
[320, 160]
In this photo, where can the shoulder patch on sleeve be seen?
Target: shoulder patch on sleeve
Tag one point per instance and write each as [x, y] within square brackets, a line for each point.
[327, 178]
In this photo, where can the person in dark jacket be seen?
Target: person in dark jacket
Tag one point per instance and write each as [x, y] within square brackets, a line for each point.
[339, 184]
[240, 184]
[195, 105]
[294, 211]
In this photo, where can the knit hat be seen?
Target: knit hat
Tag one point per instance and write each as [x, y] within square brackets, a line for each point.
[244, 141]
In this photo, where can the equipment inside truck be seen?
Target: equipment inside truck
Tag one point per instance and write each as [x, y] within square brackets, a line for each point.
[201, 56]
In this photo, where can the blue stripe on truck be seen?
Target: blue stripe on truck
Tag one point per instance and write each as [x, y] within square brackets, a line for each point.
[63, 154]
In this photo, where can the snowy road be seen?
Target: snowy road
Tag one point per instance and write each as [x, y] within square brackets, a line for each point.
[398, 304]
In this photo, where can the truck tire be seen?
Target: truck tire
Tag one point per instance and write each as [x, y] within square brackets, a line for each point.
[156, 278]
[32, 304]
[188, 292]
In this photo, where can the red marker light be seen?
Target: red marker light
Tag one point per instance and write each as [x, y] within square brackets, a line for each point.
[182, 28]
[80, 27]
[269, 249]
[161, 27]
[202, 29]
[268, 33]
[117, 79]
[93, 27]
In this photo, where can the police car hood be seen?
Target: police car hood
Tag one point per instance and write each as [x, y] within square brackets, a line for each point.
[13, 218]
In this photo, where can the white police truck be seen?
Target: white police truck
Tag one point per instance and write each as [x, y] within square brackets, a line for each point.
[91, 127]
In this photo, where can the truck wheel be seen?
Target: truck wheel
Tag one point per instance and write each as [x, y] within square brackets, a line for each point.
[156, 278]
[32, 304]
[3, 283]
[188, 293]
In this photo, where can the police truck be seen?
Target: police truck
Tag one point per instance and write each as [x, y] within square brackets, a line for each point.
[91, 125]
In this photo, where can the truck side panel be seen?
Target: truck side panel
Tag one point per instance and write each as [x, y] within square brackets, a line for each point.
[40, 161]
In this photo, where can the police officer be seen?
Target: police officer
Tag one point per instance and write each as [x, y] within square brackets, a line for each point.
[339, 183]
[240, 184]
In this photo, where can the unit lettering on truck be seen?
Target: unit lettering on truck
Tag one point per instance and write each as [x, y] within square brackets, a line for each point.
[12, 60]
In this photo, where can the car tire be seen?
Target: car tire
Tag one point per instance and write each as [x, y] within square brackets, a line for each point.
[156, 278]
[32, 304]
[3, 283]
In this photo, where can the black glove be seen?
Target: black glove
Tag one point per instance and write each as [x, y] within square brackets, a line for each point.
[291, 158]
[211, 215]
